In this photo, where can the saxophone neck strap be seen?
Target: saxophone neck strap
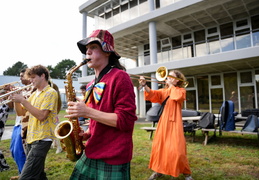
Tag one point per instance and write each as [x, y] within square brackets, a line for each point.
[103, 72]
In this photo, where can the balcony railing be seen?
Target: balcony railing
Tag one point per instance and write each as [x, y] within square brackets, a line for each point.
[212, 46]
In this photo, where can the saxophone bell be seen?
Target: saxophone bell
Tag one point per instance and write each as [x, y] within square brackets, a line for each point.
[64, 132]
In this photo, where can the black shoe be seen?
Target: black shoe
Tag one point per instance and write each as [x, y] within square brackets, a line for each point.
[4, 168]
[155, 175]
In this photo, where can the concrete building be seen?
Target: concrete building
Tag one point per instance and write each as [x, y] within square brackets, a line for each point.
[214, 43]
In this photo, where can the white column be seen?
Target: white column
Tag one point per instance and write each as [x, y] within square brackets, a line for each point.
[153, 58]
[151, 5]
[153, 50]
[153, 45]
[84, 35]
[142, 104]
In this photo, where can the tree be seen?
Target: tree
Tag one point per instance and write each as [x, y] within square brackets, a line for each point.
[90, 71]
[63, 67]
[52, 72]
[15, 69]
[58, 72]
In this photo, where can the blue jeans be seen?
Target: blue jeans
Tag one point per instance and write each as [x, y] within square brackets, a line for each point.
[16, 148]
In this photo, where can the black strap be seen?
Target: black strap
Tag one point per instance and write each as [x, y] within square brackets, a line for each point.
[160, 111]
[103, 72]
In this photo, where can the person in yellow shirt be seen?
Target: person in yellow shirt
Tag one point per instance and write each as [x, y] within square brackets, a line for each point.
[42, 106]
[169, 155]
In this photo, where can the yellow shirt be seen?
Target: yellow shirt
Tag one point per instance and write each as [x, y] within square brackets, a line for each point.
[47, 99]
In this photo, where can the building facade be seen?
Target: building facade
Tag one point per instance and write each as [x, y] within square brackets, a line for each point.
[214, 43]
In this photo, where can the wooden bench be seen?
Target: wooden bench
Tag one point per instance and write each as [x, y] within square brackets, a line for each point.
[207, 137]
[189, 119]
[149, 129]
[239, 124]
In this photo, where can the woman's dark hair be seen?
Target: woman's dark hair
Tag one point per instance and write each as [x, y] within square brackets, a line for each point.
[115, 62]
[83, 87]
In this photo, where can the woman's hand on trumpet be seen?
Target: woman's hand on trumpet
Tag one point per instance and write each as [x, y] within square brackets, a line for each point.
[142, 81]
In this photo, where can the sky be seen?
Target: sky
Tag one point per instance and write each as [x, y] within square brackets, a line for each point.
[40, 32]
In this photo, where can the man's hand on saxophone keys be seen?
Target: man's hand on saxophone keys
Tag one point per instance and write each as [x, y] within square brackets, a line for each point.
[76, 109]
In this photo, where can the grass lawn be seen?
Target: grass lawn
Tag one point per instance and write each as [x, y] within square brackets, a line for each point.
[230, 157]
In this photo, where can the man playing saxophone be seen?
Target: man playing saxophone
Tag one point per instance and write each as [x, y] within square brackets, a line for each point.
[42, 106]
[111, 109]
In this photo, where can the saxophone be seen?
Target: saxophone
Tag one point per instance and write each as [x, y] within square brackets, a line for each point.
[68, 131]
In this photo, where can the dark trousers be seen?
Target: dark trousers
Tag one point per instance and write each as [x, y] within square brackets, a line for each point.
[35, 163]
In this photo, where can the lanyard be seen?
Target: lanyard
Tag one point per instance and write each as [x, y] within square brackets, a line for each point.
[103, 72]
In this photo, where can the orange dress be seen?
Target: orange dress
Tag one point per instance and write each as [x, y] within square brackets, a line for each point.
[168, 155]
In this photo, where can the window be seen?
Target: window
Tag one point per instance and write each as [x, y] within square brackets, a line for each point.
[246, 90]
[146, 47]
[213, 40]
[227, 33]
[157, 4]
[187, 36]
[108, 15]
[203, 93]
[200, 45]
[216, 99]
[146, 54]
[188, 50]
[241, 23]
[133, 3]
[246, 77]
[212, 30]
[199, 36]
[190, 81]
[124, 7]
[242, 31]
[191, 99]
[146, 58]
[177, 47]
[255, 30]
[116, 11]
[165, 41]
[231, 88]
[176, 42]
[247, 97]
[142, 1]
[215, 80]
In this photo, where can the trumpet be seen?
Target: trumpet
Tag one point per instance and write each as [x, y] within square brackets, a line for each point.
[9, 84]
[6, 95]
[161, 75]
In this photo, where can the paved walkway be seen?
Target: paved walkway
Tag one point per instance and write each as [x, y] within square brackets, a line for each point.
[7, 132]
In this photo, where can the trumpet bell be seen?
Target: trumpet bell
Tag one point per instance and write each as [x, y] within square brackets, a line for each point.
[161, 73]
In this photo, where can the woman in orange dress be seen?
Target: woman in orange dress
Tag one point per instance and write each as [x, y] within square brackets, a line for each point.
[169, 155]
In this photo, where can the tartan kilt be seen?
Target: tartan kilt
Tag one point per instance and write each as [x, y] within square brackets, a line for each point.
[96, 169]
